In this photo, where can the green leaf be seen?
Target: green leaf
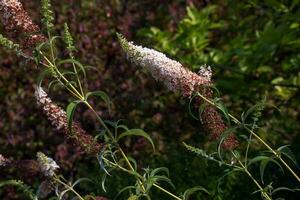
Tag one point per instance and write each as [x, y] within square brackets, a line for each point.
[81, 180]
[223, 108]
[70, 113]
[283, 188]
[102, 95]
[257, 159]
[285, 150]
[54, 83]
[42, 75]
[190, 191]
[256, 107]
[155, 179]
[132, 160]
[190, 108]
[263, 165]
[158, 170]
[137, 132]
[123, 190]
[264, 160]
[222, 138]
[201, 109]
[73, 61]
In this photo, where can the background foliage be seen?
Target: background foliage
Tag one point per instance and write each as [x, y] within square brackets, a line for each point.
[252, 46]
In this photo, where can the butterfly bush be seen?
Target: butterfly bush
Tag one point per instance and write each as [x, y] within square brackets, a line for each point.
[179, 79]
[58, 118]
[172, 73]
[47, 165]
[16, 20]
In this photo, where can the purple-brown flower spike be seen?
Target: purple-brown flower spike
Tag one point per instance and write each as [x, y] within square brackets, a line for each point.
[58, 118]
[15, 18]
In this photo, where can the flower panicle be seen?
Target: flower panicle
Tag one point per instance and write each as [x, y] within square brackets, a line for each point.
[68, 39]
[170, 72]
[8, 44]
[15, 18]
[215, 126]
[58, 118]
[48, 16]
[47, 165]
[179, 79]
[17, 21]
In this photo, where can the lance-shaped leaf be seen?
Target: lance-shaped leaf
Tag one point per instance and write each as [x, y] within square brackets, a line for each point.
[102, 95]
[137, 132]
[70, 113]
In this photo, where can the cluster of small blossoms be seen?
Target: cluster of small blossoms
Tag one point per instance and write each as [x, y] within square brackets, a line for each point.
[58, 118]
[177, 78]
[68, 39]
[16, 20]
[214, 125]
[172, 73]
[47, 165]
[205, 71]
[33, 40]
[48, 16]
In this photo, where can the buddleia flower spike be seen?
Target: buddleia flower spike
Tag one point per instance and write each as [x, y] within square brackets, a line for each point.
[170, 72]
[179, 79]
[58, 118]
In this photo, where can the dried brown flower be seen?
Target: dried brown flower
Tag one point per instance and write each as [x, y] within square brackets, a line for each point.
[58, 118]
[15, 18]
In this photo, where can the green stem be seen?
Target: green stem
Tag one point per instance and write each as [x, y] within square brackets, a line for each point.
[131, 168]
[51, 48]
[76, 94]
[155, 185]
[101, 121]
[252, 178]
[67, 84]
[77, 77]
[68, 187]
[120, 149]
[112, 137]
[275, 153]
[248, 146]
[166, 191]
[257, 137]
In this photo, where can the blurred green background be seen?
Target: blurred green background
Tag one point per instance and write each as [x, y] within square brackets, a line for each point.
[253, 48]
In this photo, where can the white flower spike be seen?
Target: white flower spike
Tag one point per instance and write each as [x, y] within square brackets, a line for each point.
[172, 73]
